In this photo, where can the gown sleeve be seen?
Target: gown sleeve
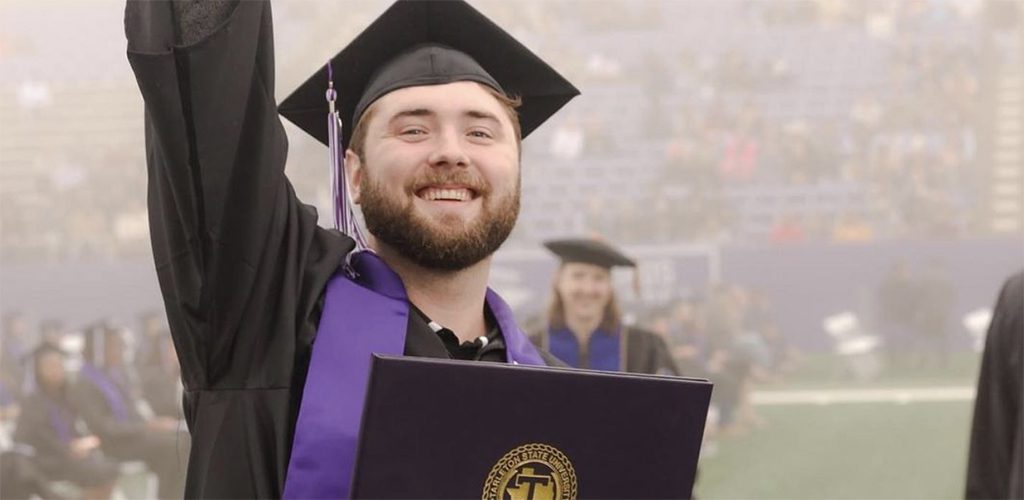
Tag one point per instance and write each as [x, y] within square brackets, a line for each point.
[994, 468]
[240, 260]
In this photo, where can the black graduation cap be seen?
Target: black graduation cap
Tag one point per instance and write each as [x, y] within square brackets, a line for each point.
[418, 42]
[589, 251]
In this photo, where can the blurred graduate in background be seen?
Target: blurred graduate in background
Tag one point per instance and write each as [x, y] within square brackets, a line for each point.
[584, 324]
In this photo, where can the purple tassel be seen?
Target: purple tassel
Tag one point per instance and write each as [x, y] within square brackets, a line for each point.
[344, 216]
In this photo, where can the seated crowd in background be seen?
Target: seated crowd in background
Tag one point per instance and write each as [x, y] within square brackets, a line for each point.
[78, 406]
[730, 337]
[732, 116]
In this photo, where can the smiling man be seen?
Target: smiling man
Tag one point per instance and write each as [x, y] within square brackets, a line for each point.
[433, 100]
[438, 182]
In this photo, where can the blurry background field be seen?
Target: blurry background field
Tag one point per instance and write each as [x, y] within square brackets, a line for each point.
[864, 450]
[873, 449]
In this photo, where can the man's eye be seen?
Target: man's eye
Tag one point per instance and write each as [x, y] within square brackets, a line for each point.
[413, 131]
[481, 134]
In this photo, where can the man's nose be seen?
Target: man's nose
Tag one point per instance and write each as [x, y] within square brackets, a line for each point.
[448, 151]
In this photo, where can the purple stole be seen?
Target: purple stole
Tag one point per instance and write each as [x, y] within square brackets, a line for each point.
[365, 315]
[59, 419]
[604, 349]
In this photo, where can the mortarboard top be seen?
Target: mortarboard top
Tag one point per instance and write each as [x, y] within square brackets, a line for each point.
[417, 42]
[589, 251]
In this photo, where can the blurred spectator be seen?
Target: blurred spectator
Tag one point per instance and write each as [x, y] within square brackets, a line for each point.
[160, 375]
[870, 121]
[658, 82]
[727, 366]
[937, 295]
[49, 424]
[51, 330]
[740, 157]
[801, 157]
[106, 395]
[852, 228]
[158, 368]
[14, 350]
[783, 357]
[689, 338]
[897, 301]
[584, 327]
[23, 477]
[153, 327]
[788, 229]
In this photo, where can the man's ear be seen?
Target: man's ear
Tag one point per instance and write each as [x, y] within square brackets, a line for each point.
[353, 175]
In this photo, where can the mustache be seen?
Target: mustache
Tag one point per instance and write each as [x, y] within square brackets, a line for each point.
[458, 177]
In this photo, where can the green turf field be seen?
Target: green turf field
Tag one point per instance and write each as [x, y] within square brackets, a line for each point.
[849, 450]
[821, 371]
[883, 450]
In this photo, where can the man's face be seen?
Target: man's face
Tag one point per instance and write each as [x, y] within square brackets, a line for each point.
[585, 289]
[50, 370]
[114, 347]
[439, 181]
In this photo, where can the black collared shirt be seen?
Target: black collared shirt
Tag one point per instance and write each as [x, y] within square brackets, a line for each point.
[427, 338]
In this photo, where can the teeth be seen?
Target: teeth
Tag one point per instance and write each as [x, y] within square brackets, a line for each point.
[447, 194]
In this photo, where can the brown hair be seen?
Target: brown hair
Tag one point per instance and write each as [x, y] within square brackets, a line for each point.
[611, 320]
[358, 142]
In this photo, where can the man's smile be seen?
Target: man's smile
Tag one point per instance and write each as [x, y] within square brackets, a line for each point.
[447, 193]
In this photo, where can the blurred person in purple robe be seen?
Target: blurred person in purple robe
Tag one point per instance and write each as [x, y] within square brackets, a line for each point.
[49, 423]
[107, 395]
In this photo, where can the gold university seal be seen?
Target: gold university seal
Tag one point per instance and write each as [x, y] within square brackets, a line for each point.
[531, 472]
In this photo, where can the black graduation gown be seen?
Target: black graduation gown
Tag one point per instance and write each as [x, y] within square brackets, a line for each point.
[995, 466]
[645, 351]
[241, 261]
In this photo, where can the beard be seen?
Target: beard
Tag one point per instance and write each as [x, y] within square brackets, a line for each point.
[447, 243]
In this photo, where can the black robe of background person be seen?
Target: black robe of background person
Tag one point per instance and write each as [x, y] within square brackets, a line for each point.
[646, 352]
[995, 467]
[52, 454]
[241, 261]
[161, 392]
[129, 438]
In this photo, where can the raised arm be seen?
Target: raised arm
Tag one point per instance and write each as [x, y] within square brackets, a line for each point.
[195, 19]
[236, 253]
